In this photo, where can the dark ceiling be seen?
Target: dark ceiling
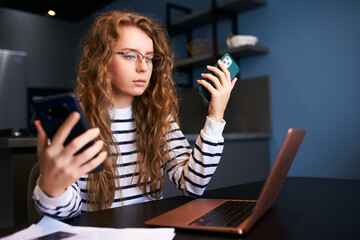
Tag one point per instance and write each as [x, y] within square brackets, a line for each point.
[72, 11]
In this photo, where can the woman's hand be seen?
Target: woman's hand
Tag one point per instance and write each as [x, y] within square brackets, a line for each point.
[221, 93]
[58, 165]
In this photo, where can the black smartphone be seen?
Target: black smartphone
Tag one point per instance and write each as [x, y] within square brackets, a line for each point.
[233, 68]
[55, 236]
[52, 112]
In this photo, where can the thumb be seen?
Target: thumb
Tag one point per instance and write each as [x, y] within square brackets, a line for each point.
[41, 137]
[234, 81]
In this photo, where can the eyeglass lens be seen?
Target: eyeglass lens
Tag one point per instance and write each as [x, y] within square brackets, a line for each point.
[154, 60]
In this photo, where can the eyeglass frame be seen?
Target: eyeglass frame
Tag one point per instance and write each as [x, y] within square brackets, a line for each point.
[122, 53]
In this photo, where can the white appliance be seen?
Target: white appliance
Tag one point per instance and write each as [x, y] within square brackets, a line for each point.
[13, 90]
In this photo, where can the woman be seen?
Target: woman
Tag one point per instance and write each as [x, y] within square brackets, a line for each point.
[126, 90]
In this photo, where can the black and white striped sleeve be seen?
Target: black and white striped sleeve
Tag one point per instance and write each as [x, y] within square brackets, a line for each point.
[66, 205]
[192, 170]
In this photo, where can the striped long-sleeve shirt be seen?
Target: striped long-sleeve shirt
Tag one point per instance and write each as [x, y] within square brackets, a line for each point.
[192, 176]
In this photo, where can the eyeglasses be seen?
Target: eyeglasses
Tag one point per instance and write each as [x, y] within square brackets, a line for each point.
[153, 60]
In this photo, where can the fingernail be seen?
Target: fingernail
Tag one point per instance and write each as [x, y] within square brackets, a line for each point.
[75, 115]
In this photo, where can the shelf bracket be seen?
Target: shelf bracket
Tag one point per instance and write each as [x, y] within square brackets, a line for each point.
[169, 7]
[214, 29]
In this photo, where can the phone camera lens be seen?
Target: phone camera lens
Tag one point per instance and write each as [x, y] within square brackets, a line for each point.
[59, 111]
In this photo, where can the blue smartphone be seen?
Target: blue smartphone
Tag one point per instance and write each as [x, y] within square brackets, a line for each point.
[233, 68]
[52, 112]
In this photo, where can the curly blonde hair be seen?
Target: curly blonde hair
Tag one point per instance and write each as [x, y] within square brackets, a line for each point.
[152, 110]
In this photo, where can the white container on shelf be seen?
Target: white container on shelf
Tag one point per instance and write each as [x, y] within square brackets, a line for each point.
[240, 40]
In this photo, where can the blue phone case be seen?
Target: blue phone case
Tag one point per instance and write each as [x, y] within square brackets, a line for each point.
[52, 112]
[230, 65]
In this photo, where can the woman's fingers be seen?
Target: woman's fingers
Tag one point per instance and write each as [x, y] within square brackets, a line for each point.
[89, 153]
[64, 130]
[93, 163]
[79, 142]
[214, 80]
[223, 68]
[207, 85]
[41, 137]
[233, 82]
[222, 78]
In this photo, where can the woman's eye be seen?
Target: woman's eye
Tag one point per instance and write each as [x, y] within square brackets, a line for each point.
[150, 59]
[131, 56]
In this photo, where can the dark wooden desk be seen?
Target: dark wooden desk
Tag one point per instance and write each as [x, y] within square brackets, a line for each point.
[307, 208]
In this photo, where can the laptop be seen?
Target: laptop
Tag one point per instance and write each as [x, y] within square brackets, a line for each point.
[232, 215]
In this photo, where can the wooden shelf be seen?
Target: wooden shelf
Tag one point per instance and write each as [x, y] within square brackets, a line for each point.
[202, 60]
[226, 9]
[18, 142]
[235, 136]
[245, 51]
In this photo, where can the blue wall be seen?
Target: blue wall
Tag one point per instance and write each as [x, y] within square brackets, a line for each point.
[314, 65]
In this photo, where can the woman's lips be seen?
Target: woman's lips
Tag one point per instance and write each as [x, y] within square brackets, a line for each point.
[140, 82]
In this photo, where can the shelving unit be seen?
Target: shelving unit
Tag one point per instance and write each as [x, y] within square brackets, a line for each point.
[248, 111]
[228, 9]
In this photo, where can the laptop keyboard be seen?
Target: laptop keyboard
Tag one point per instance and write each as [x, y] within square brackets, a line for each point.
[228, 214]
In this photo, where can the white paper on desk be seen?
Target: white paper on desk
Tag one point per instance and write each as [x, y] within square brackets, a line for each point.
[49, 225]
